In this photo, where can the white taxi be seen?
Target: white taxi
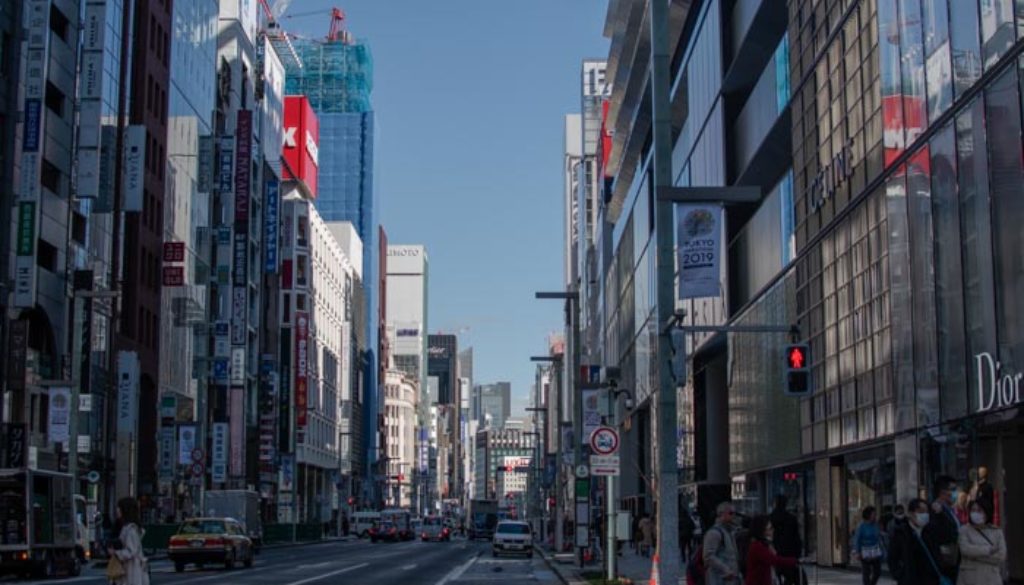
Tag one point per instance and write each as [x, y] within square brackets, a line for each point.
[512, 537]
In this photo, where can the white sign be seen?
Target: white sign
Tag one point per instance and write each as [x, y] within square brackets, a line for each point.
[237, 366]
[604, 465]
[186, 443]
[84, 445]
[127, 391]
[594, 82]
[134, 157]
[1002, 389]
[85, 402]
[60, 415]
[699, 237]
[219, 453]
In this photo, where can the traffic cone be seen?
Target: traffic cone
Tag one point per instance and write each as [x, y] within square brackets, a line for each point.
[655, 578]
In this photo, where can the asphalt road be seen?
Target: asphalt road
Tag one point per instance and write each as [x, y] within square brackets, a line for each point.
[355, 563]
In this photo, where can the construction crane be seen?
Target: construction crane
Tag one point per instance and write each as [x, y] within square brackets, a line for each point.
[276, 13]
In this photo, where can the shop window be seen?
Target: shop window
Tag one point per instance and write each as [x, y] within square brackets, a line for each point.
[1002, 112]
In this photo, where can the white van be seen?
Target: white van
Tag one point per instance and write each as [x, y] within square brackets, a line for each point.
[362, 522]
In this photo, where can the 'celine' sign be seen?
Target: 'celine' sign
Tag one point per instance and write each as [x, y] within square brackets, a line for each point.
[831, 176]
[1002, 389]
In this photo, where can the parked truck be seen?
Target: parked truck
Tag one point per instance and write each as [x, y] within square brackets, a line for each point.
[41, 533]
[483, 518]
[242, 505]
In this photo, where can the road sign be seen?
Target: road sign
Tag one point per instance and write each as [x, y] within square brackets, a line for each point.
[582, 471]
[197, 469]
[93, 476]
[197, 455]
[604, 465]
[604, 441]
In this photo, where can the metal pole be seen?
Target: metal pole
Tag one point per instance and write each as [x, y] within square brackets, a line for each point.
[667, 552]
[577, 416]
[609, 496]
[559, 464]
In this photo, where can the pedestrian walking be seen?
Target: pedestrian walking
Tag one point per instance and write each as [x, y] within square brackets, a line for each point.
[787, 538]
[721, 559]
[686, 529]
[646, 536]
[868, 547]
[910, 560]
[983, 548]
[943, 531]
[762, 559]
[127, 553]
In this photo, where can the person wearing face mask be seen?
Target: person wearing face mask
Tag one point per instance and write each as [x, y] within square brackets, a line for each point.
[943, 531]
[910, 558]
[761, 555]
[983, 548]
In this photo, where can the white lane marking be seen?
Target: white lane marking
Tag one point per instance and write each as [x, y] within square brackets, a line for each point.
[68, 580]
[456, 573]
[326, 575]
[409, 567]
[314, 566]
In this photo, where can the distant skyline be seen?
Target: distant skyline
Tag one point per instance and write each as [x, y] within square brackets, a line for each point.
[470, 98]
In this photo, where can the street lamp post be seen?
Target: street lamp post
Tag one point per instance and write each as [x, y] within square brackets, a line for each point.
[571, 298]
[559, 500]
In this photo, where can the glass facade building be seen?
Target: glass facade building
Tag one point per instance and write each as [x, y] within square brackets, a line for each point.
[886, 138]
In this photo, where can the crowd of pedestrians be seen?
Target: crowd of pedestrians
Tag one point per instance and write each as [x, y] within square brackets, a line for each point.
[953, 540]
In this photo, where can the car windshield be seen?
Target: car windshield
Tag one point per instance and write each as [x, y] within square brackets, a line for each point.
[432, 522]
[203, 527]
[513, 529]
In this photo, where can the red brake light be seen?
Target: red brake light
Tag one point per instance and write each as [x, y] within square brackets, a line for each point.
[215, 541]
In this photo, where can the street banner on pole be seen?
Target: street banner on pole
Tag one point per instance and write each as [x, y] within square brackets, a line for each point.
[59, 415]
[699, 241]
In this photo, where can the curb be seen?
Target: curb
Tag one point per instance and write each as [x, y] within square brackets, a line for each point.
[549, 561]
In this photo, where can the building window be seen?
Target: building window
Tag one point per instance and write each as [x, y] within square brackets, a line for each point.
[58, 23]
[49, 177]
[46, 257]
[54, 99]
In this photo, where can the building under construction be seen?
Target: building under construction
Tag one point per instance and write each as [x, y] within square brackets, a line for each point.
[336, 75]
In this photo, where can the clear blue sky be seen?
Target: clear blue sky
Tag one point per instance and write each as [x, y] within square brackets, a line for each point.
[470, 98]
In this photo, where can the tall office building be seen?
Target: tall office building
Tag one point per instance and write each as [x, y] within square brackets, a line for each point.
[337, 77]
[184, 359]
[442, 362]
[492, 404]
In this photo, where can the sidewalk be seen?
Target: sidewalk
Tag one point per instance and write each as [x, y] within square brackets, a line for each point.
[638, 569]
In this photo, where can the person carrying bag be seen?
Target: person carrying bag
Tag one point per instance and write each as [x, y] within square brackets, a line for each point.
[128, 564]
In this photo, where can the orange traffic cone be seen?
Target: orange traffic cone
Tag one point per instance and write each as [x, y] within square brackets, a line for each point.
[655, 578]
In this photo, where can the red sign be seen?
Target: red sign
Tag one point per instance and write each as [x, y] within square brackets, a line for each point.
[301, 367]
[174, 275]
[301, 154]
[174, 251]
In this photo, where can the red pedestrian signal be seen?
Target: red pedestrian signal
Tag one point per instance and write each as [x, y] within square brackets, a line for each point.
[797, 357]
[797, 381]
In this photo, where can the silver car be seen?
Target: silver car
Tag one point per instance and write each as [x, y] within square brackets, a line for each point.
[512, 537]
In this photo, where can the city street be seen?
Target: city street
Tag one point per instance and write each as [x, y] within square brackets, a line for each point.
[354, 563]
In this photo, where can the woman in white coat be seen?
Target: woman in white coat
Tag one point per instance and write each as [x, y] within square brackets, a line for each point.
[136, 571]
[982, 548]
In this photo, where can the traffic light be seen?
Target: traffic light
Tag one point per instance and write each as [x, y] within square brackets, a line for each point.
[798, 370]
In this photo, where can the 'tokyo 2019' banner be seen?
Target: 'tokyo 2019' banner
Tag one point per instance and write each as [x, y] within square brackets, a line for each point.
[699, 241]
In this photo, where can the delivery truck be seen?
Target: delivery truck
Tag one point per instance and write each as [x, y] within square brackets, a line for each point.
[41, 532]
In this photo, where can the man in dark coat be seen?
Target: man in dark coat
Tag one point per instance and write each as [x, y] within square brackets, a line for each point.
[787, 538]
[943, 531]
[909, 561]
